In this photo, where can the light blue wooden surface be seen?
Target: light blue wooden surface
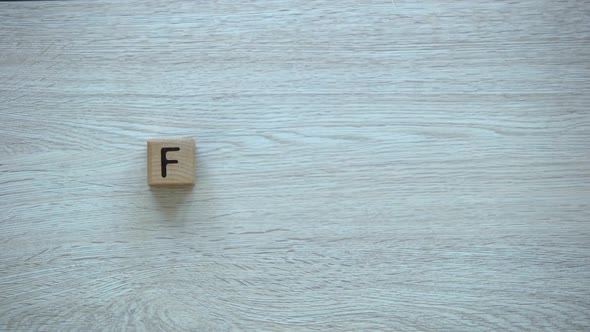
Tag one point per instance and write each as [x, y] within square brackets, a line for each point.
[361, 165]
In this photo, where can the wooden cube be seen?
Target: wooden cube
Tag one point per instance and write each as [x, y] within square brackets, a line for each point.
[171, 162]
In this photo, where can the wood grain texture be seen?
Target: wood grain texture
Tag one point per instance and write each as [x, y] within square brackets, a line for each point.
[362, 165]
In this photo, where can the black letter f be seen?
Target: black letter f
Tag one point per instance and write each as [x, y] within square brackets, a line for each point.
[166, 161]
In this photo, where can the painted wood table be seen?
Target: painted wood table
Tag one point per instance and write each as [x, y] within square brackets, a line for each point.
[360, 165]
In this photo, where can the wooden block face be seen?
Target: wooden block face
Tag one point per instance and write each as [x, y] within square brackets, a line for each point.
[171, 162]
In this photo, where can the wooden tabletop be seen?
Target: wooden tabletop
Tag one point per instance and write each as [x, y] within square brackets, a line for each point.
[361, 165]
